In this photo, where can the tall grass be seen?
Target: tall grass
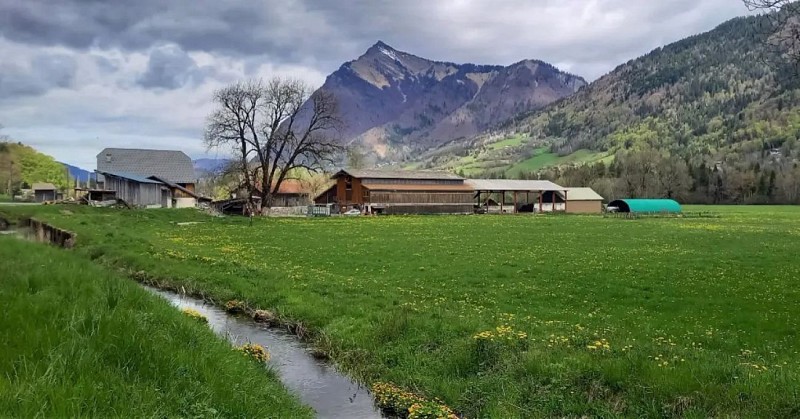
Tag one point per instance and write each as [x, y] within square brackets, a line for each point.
[78, 341]
[671, 317]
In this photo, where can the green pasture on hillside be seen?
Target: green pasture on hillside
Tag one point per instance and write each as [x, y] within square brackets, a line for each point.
[542, 158]
[507, 316]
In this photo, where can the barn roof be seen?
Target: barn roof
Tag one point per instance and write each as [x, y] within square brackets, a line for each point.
[172, 165]
[418, 187]
[646, 205]
[292, 187]
[130, 176]
[43, 186]
[512, 185]
[582, 194]
[398, 174]
[175, 186]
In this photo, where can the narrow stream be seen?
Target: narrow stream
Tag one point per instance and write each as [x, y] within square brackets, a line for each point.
[318, 384]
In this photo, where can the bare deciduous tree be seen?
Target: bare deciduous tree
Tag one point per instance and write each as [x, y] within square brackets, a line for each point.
[782, 19]
[274, 128]
[673, 178]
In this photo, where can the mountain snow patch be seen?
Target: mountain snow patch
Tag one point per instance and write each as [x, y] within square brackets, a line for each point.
[390, 54]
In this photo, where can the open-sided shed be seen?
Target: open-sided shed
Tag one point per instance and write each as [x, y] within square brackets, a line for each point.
[527, 195]
[45, 192]
[646, 206]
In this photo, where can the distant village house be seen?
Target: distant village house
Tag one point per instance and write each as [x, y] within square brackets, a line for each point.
[44, 192]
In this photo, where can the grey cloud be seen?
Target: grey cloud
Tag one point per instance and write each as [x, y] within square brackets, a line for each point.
[235, 26]
[170, 67]
[104, 64]
[308, 38]
[43, 73]
[322, 34]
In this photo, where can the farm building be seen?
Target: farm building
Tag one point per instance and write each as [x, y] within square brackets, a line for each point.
[645, 206]
[514, 196]
[138, 191]
[43, 192]
[580, 200]
[167, 165]
[292, 193]
[182, 197]
[399, 192]
[138, 170]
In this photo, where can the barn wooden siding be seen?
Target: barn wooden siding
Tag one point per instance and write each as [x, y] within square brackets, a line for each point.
[421, 197]
[428, 209]
[42, 196]
[137, 193]
[289, 200]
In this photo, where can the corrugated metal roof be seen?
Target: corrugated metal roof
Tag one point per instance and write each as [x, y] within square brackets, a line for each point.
[513, 185]
[418, 187]
[646, 205]
[130, 176]
[172, 165]
[176, 186]
[398, 174]
[43, 186]
[581, 194]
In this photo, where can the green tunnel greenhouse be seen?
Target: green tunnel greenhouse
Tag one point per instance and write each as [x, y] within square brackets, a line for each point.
[646, 206]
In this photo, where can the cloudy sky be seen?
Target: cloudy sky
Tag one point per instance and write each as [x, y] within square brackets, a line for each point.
[80, 75]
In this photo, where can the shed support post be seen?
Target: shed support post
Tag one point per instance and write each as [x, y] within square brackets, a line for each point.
[554, 201]
[565, 200]
[502, 199]
[541, 197]
[515, 202]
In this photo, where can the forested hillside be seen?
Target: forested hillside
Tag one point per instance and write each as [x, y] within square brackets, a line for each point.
[716, 110]
[23, 166]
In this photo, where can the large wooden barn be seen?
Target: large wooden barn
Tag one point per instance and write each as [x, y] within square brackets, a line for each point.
[399, 192]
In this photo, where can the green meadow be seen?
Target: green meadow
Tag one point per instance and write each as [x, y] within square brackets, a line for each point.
[497, 316]
[78, 341]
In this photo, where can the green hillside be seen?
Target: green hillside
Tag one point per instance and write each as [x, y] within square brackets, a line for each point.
[24, 166]
[718, 105]
[694, 97]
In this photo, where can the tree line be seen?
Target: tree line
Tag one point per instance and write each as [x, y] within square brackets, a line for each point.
[650, 173]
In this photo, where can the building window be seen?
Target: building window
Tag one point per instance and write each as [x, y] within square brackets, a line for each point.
[348, 183]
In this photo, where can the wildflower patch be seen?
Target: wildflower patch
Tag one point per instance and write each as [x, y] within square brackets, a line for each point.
[195, 314]
[404, 403]
[235, 307]
[257, 352]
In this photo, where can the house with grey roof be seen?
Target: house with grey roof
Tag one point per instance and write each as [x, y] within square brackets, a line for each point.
[148, 178]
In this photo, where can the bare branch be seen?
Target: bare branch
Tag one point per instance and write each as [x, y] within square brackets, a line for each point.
[274, 128]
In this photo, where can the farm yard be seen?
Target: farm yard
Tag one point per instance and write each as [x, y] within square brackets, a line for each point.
[504, 316]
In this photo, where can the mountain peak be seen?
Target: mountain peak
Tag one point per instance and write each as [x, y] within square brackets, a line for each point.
[381, 44]
[381, 47]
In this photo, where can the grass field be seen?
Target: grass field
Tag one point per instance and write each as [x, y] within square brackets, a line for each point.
[509, 316]
[514, 141]
[543, 159]
[79, 342]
